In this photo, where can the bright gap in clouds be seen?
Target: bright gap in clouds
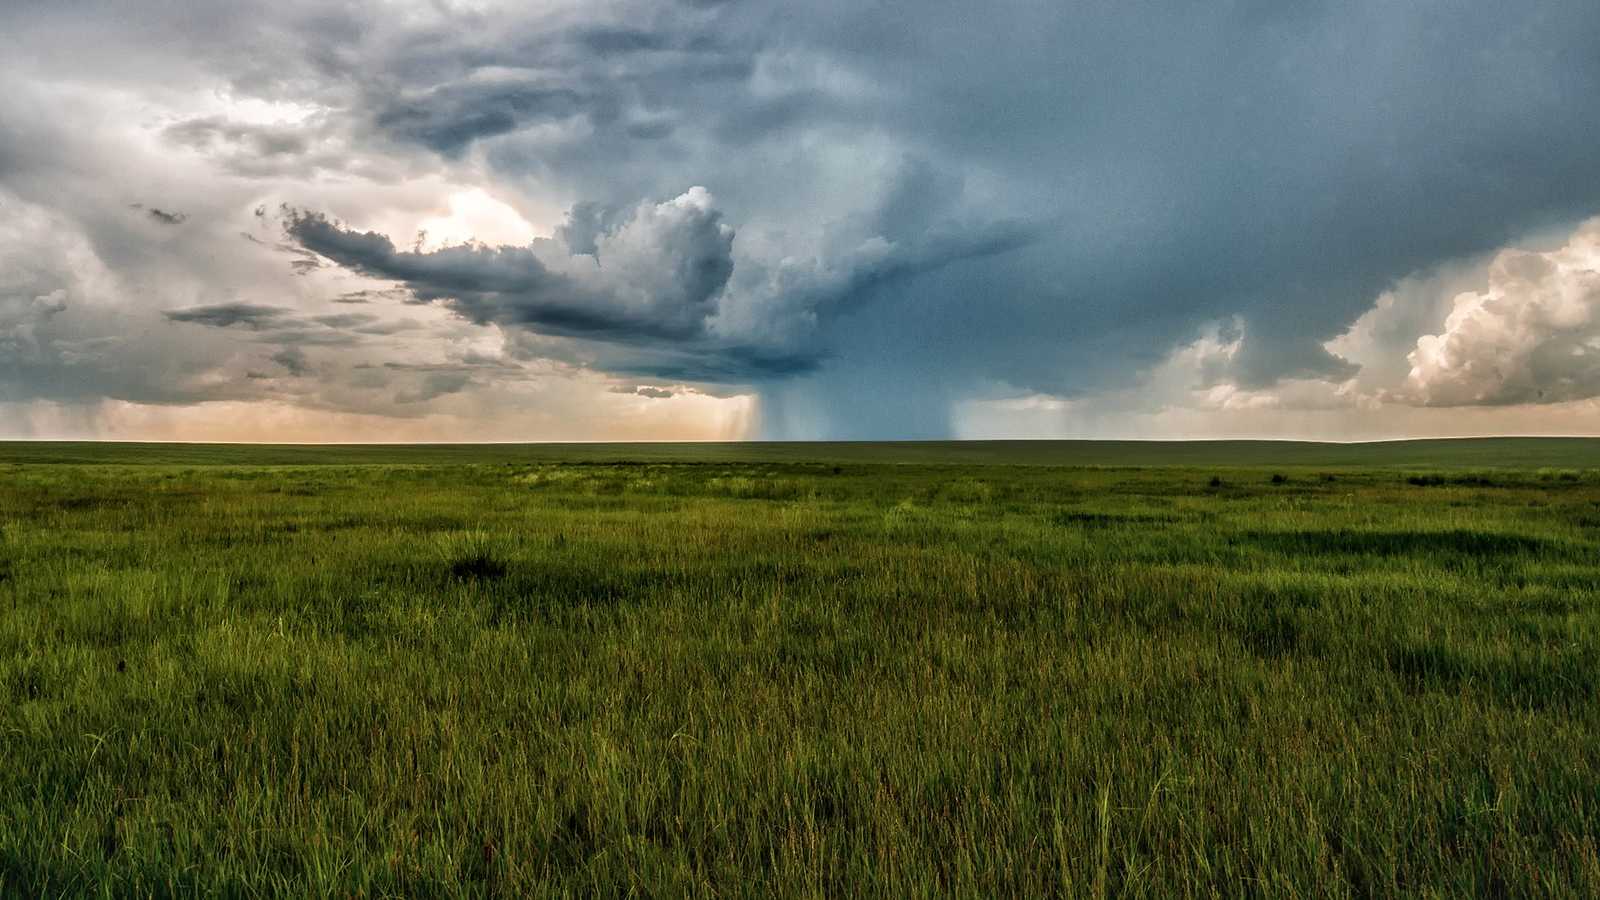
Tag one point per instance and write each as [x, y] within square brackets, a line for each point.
[256, 111]
[475, 216]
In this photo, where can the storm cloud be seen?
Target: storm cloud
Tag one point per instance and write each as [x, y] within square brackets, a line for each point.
[233, 315]
[659, 281]
[668, 264]
[868, 221]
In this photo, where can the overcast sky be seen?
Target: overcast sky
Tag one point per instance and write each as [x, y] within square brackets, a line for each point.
[831, 219]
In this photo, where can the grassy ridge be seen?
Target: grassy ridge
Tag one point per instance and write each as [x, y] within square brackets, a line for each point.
[1520, 453]
[797, 679]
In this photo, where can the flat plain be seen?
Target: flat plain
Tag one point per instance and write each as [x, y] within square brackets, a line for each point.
[988, 669]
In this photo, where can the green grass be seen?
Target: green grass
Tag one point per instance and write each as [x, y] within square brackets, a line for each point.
[799, 670]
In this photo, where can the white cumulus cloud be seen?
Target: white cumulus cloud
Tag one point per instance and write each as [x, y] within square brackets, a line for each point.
[1532, 335]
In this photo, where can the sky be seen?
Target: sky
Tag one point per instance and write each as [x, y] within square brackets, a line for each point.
[432, 220]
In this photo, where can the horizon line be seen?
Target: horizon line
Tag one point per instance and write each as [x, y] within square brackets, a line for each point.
[781, 441]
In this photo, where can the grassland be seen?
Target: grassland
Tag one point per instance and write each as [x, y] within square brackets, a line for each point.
[801, 670]
[1494, 453]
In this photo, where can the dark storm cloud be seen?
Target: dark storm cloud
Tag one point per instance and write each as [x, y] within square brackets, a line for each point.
[254, 317]
[303, 261]
[940, 248]
[656, 326]
[317, 147]
[674, 260]
[281, 325]
[449, 118]
[585, 224]
[499, 284]
[469, 363]
[207, 132]
[650, 131]
[657, 282]
[293, 360]
[615, 41]
[723, 365]
[345, 320]
[368, 295]
[454, 87]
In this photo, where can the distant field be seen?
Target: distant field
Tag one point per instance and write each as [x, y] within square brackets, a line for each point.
[1239, 669]
[1523, 453]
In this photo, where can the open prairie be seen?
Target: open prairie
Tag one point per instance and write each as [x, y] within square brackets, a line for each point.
[988, 669]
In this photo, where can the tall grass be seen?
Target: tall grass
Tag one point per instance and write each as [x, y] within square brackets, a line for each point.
[797, 679]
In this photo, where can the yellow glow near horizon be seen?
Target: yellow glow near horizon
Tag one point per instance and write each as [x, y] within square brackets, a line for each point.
[686, 416]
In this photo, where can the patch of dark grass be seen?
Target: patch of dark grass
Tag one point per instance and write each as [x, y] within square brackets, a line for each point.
[1111, 520]
[551, 591]
[1460, 542]
[1272, 634]
[27, 684]
[481, 566]
[89, 504]
[1442, 480]
[1540, 681]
